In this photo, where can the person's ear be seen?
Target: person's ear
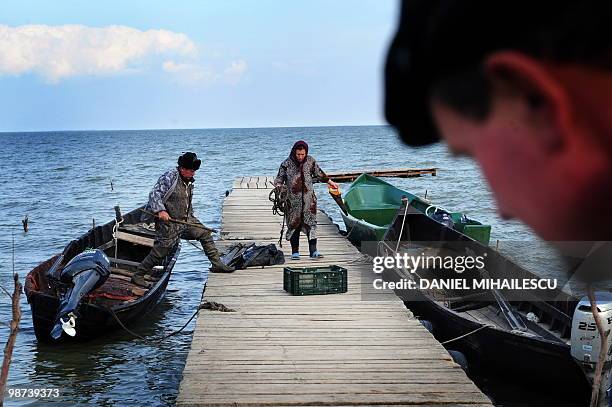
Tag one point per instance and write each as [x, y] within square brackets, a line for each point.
[547, 104]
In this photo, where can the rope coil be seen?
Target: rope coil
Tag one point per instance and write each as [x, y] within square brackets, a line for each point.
[281, 206]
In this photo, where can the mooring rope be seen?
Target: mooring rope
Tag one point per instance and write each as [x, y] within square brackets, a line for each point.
[351, 231]
[115, 229]
[399, 239]
[464, 335]
[210, 305]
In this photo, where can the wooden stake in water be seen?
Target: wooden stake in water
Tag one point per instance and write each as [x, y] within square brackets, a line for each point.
[596, 390]
[24, 223]
[14, 328]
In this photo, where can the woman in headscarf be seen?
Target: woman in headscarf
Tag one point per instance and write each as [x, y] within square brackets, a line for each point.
[298, 173]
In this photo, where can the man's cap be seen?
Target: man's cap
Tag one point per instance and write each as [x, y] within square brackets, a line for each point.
[189, 161]
[436, 39]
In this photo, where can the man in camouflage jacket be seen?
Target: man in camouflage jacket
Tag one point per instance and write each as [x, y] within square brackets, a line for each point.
[171, 199]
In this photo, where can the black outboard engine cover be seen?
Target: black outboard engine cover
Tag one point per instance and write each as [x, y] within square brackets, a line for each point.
[83, 274]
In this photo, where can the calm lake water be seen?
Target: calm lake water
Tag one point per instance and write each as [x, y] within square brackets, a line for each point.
[61, 180]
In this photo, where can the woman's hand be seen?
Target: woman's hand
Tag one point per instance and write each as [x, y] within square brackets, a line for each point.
[332, 184]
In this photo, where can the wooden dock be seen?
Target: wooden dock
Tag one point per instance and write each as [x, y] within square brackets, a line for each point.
[263, 181]
[349, 176]
[282, 350]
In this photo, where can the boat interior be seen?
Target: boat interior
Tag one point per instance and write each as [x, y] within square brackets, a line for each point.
[374, 201]
[377, 202]
[549, 320]
[129, 245]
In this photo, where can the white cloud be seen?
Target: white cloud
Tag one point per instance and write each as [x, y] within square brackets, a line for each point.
[57, 52]
[235, 71]
[189, 73]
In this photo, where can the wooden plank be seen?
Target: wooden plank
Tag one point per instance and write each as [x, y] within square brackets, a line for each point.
[123, 262]
[107, 245]
[135, 290]
[127, 274]
[325, 388]
[278, 349]
[469, 397]
[129, 237]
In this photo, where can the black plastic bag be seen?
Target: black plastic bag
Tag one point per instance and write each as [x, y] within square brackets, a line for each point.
[241, 256]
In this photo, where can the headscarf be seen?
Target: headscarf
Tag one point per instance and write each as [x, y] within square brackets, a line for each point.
[300, 144]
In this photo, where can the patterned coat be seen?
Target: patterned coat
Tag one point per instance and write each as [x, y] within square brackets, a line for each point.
[299, 180]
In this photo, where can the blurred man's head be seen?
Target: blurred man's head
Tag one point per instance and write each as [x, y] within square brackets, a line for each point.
[523, 87]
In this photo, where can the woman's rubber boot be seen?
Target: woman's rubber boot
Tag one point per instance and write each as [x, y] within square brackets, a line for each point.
[316, 255]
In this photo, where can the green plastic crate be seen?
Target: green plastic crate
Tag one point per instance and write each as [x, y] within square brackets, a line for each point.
[315, 280]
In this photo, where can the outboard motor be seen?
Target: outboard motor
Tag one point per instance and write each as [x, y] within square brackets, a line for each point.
[586, 341]
[83, 274]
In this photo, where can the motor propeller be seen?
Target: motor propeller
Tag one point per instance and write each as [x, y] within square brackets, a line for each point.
[66, 325]
[83, 274]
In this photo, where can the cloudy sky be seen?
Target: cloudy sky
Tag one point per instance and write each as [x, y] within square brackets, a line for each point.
[68, 65]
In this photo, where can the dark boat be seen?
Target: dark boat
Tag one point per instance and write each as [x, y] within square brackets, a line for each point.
[371, 203]
[526, 337]
[88, 287]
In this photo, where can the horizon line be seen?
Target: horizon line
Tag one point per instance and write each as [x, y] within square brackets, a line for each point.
[194, 128]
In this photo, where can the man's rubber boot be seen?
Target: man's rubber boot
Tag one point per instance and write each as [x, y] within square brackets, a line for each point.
[219, 267]
[213, 255]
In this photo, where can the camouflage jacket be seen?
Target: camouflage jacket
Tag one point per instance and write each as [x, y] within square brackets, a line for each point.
[164, 187]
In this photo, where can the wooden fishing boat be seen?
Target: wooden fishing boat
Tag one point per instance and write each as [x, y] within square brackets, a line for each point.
[125, 242]
[371, 205]
[520, 335]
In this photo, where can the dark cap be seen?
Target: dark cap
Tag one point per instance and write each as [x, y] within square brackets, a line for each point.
[439, 38]
[189, 161]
